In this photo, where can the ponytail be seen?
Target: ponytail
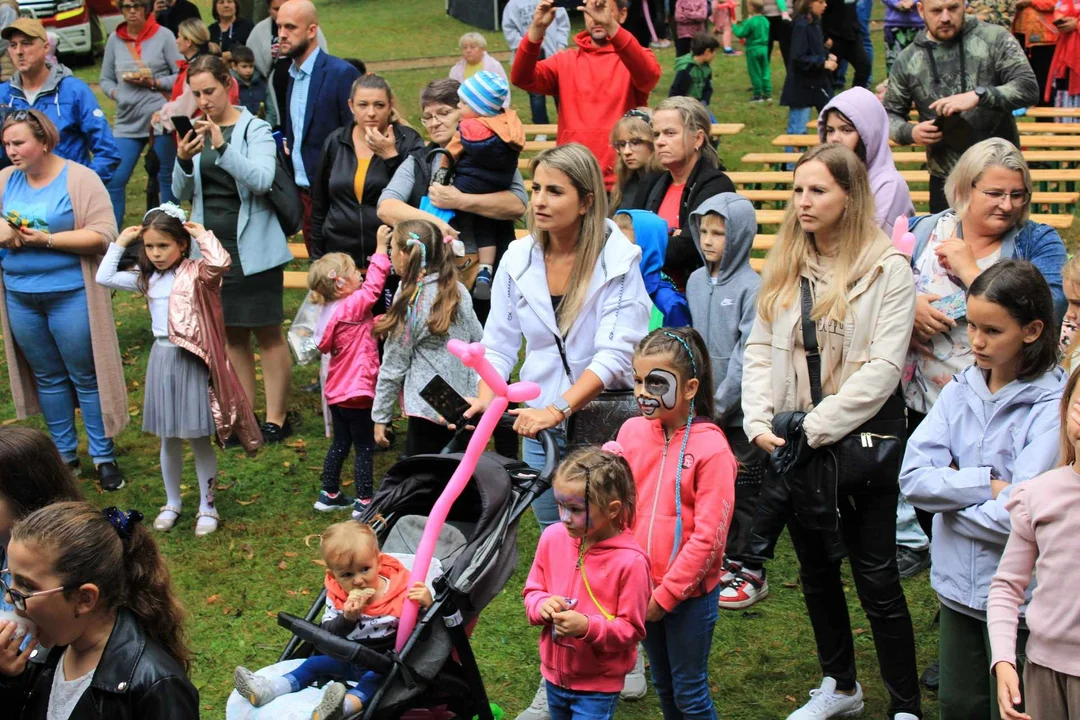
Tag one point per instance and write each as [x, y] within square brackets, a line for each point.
[434, 257]
[124, 564]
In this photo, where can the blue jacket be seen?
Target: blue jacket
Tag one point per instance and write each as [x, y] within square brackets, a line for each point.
[1035, 242]
[1015, 434]
[328, 92]
[651, 235]
[251, 158]
[85, 135]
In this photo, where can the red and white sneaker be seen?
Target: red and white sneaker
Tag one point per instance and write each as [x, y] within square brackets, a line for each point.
[731, 569]
[744, 591]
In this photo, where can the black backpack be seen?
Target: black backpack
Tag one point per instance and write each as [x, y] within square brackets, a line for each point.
[284, 194]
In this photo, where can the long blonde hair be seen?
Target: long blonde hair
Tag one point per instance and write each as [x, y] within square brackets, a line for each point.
[636, 125]
[580, 165]
[788, 258]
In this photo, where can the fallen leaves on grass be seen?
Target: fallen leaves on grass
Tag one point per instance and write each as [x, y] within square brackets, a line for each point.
[290, 554]
[12, 421]
[213, 599]
[283, 565]
[249, 501]
[247, 552]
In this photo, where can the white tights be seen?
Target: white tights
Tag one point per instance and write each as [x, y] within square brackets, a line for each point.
[172, 464]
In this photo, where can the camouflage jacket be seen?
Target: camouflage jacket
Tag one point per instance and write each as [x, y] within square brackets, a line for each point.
[983, 54]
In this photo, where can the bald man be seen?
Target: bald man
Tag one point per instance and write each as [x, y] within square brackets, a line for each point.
[317, 81]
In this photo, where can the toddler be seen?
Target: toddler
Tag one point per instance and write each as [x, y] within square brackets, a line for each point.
[252, 85]
[755, 32]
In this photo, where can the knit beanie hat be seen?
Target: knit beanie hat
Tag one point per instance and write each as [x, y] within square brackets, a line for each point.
[485, 92]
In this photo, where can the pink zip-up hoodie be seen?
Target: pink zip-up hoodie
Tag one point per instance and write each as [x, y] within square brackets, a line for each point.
[618, 573]
[708, 499]
[347, 338]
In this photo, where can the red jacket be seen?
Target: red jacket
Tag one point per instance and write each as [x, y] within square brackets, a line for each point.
[708, 499]
[596, 85]
[618, 574]
[347, 338]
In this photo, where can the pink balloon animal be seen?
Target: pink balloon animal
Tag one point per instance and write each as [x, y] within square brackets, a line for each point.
[903, 239]
[471, 356]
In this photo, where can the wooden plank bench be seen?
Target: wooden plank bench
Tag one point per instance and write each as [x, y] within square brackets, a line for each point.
[917, 196]
[779, 177]
[1029, 128]
[909, 157]
[718, 129]
[1026, 141]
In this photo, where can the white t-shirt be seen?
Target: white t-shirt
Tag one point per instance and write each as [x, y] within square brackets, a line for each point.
[65, 694]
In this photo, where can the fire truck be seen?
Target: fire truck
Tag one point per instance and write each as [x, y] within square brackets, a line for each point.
[81, 25]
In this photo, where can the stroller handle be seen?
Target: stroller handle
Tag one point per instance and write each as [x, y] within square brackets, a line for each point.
[545, 437]
[334, 646]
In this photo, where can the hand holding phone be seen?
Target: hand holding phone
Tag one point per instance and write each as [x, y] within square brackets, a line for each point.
[445, 400]
[183, 125]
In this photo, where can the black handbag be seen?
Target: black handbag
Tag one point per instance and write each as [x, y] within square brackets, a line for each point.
[284, 195]
[867, 459]
[599, 421]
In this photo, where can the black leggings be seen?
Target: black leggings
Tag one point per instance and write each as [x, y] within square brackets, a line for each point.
[352, 427]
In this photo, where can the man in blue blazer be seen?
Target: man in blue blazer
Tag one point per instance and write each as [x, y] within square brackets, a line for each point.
[318, 82]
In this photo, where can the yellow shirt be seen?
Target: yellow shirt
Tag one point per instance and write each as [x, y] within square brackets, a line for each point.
[362, 165]
[471, 70]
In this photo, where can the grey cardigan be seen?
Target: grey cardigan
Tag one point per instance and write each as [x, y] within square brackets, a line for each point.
[414, 360]
[251, 158]
[136, 104]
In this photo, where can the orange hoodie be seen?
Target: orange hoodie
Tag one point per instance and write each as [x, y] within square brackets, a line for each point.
[708, 498]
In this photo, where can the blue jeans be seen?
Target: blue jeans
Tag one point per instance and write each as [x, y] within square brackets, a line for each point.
[322, 666]
[865, 8]
[130, 152]
[544, 507]
[566, 704]
[678, 649]
[909, 533]
[538, 105]
[796, 125]
[52, 329]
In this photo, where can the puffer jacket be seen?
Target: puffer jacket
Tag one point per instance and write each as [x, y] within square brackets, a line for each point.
[1012, 434]
[135, 679]
[982, 55]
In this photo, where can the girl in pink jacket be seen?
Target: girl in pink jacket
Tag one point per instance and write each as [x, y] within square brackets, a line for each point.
[589, 586]
[344, 335]
[684, 472]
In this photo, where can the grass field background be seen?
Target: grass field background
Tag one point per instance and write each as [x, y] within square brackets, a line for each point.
[263, 559]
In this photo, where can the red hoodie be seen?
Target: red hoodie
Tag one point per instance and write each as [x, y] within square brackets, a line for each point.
[596, 85]
[708, 499]
[618, 574]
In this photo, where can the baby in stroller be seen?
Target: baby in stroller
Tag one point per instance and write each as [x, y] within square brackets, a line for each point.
[365, 592]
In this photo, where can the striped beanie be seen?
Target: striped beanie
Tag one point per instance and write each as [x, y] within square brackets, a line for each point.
[485, 92]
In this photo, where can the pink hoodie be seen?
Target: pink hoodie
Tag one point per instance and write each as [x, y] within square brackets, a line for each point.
[708, 499]
[347, 338]
[618, 574]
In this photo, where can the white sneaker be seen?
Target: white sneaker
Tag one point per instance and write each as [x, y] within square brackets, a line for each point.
[825, 702]
[538, 709]
[635, 687]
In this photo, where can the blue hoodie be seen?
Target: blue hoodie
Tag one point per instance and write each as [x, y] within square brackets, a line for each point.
[651, 235]
[85, 136]
[724, 308]
[1012, 434]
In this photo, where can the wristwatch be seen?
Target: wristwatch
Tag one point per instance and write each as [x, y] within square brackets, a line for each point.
[563, 406]
[220, 150]
[981, 93]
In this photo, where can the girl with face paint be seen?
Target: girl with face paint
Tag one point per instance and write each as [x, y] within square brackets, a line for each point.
[590, 584]
[684, 472]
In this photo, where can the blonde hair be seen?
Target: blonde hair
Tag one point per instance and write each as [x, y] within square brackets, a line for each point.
[341, 542]
[788, 257]
[695, 118]
[626, 224]
[976, 160]
[326, 274]
[195, 32]
[580, 166]
[472, 38]
[758, 6]
[1068, 450]
[609, 479]
[633, 126]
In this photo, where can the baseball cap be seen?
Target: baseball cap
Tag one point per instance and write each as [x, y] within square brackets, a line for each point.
[27, 26]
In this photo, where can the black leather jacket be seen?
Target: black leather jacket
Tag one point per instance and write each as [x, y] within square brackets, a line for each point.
[134, 680]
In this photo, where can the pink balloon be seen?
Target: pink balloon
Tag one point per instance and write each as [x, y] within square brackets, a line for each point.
[903, 240]
[471, 355]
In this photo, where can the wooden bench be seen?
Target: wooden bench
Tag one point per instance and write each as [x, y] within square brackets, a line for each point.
[1026, 141]
[718, 129]
[776, 177]
[917, 196]
[1030, 127]
[909, 157]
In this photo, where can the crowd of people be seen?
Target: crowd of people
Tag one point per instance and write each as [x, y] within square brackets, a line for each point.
[904, 402]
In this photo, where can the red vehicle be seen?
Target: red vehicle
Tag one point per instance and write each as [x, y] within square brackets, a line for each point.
[81, 25]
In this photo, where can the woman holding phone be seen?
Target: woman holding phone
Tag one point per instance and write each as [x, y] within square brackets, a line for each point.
[226, 167]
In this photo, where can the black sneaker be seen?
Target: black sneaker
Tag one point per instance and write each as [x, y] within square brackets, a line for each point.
[109, 476]
[931, 676]
[911, 562]
[75, 467]
[274, 433]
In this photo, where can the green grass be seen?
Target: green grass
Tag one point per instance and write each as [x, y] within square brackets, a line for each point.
[234, 582]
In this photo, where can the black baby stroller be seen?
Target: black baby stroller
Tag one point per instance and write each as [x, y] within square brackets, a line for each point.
[478, 550]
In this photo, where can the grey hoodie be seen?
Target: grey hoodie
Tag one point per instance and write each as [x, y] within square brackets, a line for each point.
[723, 308]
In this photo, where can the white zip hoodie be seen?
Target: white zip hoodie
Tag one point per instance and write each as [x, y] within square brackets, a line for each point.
[613, 318]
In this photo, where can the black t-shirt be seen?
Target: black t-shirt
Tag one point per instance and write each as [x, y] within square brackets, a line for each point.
[237, 34]
[178, 13]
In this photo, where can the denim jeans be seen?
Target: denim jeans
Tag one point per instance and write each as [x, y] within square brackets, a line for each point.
[566, 704]
[797, 118]
[544, 507]
[538, 105]
[52, 329]
[909, 533]
[130, 151]
[323, 666]
[678, 648]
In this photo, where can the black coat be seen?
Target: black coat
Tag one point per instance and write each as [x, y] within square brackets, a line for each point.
[339, 223]
[134, 680]
[807, 83]
[682, 256]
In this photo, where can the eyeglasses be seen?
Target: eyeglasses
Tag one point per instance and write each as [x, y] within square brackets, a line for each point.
[130, 6]
[634, 143]
[1018, 197]
[440, 116]
[19, 598]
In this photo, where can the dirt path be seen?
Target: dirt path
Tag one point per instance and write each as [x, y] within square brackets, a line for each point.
[378, 66]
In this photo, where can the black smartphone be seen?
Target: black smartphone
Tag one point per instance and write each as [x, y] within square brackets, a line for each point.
[445, 400]
[568, 4]
[183, 125]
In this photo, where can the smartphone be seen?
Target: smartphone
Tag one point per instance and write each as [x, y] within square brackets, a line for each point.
[953, 306]
[183, 125]
[568, 4]
[279, 138]
[445, 400]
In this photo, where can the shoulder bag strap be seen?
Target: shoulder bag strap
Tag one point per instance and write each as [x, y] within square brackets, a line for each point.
[562, 355]
[810, 344]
